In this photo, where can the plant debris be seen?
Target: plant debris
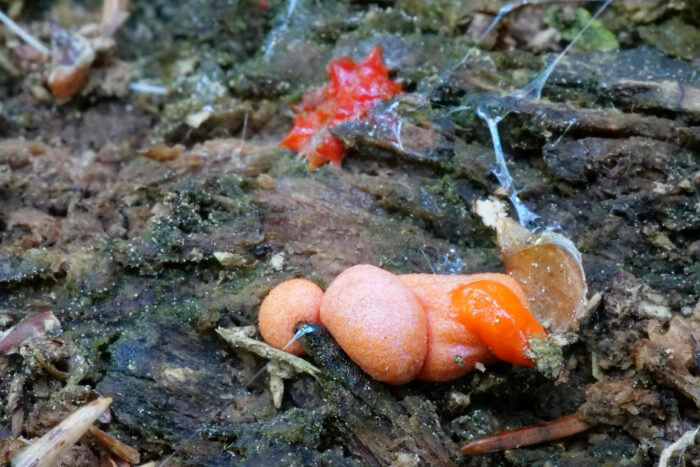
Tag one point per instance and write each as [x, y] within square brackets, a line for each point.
[31, 326]
[47, 450]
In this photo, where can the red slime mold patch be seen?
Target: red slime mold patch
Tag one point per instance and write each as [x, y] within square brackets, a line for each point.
[354, 88]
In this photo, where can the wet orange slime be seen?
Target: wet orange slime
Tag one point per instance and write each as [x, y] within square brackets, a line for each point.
[494, 312]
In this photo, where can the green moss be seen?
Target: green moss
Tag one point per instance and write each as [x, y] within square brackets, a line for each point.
[569, 23]
[477, 422]
[614, 449]
[299, 427]
[294, 427]
[203, 216]
[90, 272]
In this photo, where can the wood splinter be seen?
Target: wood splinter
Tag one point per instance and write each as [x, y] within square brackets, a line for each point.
[527, 436]
[116, 447]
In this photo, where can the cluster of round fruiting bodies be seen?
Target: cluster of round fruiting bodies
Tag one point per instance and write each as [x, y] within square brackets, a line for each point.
[415, 326]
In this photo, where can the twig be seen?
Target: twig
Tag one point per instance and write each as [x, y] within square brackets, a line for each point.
[510, 439]
[116, 447]
[238, 338]
[46, 451]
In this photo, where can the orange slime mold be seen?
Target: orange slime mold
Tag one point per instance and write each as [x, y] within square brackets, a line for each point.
[378, 321]
[495, 313]
[398, 328]
[453, 349]
[287, 304]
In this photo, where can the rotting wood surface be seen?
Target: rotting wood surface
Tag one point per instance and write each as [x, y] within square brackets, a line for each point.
[141, 260]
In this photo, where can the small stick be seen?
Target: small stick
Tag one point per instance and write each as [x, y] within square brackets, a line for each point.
[48, 366]
[47, 450]
[116, 447]
[510, 439]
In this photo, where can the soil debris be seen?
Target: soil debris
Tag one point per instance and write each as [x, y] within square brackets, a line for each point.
[32, 326]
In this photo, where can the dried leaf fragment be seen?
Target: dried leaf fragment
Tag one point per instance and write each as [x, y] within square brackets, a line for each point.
[73, 57]
[619, 402]
[547, 265]
[162, 152]
[114, 15]
[74, 54]
[278, 373]
[31, 326]
[671, 356]
[282, 366]
[239, 338]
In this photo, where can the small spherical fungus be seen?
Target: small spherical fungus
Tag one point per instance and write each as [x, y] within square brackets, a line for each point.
[354, 88]
[287, 304]
[378, 321]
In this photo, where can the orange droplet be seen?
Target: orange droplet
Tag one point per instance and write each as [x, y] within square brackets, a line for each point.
[494, 312]
[453, 349]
